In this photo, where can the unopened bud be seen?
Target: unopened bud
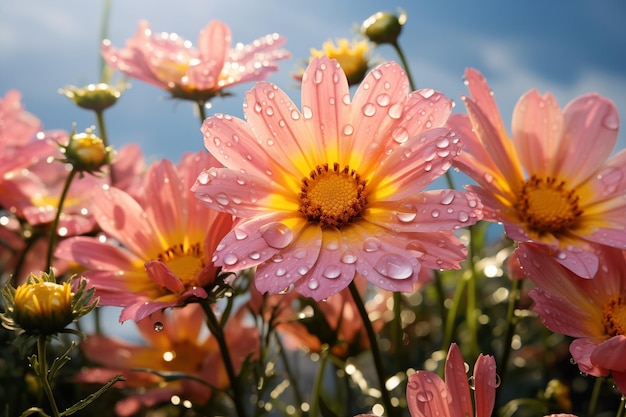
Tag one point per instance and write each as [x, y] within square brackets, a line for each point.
[384, 27]
[94, 96]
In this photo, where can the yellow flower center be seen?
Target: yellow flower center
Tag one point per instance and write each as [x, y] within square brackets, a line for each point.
[547, 206]
[43, 306]
[332, 197]
[186, 264]
[614, 315]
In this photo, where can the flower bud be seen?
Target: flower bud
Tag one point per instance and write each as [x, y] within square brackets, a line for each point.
[353, 57]
[86, 152]
[94, 96]
[383, 27]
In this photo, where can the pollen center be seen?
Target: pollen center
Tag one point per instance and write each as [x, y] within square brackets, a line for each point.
[186, 264]
[332, 196]
[547, 206]
[614, 315]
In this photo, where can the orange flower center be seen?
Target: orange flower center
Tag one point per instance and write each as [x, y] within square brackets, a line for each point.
[614, 314]
[547, 206]
[186, 264]
[332, 197]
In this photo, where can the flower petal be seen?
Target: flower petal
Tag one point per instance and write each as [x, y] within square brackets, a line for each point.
[581, 351]
[456, 381]
[485, 383]
[428, 396]
[164, 277]
[94, 254]
[590, 133]
[610, 354]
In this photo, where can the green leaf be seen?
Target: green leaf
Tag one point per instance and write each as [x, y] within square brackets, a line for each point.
[92, 397]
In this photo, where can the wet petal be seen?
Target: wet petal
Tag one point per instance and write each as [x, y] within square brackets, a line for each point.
[93, 254]
[163, 276]
[485, 383]
[611, 354]
[457, 383]
[581, 351]
[428, 396]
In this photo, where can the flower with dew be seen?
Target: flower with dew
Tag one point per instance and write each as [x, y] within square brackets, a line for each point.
[551, 183]
[179, 344]
[354, 57]
[337, 188]
[591, 311]
[428, 395]
[41, 306]
[195, 73]
[161, 247]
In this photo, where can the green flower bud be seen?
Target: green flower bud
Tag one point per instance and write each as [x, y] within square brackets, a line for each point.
[86, 152]
[94, 96]
[383, 27]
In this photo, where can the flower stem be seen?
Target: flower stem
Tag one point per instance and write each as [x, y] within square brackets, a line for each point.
[398, 50]
[317, 383]
[595, 394]
[57, 217]
[201, 110]
[43, 373]
[378, 365]
[471, 317]
[622, 407]
[218, 333]
[511, 322]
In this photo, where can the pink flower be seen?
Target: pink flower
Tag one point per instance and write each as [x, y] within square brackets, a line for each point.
[181, 347]
[167, 238]
[591, 311]
[551, 183]
[338, 187]
[172, 63]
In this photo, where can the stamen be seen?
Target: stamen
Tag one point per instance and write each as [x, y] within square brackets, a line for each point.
[184, 263]
[614, 316]
[332, 197]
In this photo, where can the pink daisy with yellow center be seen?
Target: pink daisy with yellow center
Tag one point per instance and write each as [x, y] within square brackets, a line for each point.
[338, 187]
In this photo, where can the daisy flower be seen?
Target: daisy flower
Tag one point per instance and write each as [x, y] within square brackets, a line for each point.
[551, 182]
[337, 187]
[160, 252]
[591, 311]
[200, 73]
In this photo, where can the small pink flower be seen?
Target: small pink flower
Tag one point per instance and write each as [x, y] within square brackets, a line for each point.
[337, 188]
[551, 182]
[167, 237]
[591, 311]
[180, 346]
[196, 73]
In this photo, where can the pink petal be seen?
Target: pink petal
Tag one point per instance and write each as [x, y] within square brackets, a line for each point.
[326, 108]
[164, 277]
[331, 273]
[140, 310]
[437, 250]
[119, 215]
[429, 211]
[294, 263]
[93, 254]
[414, 165]
[428, 396]
[581, 350]
[611, 354]
[537, 131]
[242, 195]
[483, 96]
[485, 383]
[590, 133]
[620, 381]
[581, 262]
[213, 45]
[456, 381]
[606, 187]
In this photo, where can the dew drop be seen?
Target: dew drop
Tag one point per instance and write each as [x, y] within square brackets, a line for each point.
[447, 196]
[332, 245]
[435, 213]
[424, 396]
[295, 115]
[240, 234]
[318, 77]
[331, 272]
[394, 266]
[222, 199]
[158, 327]
[276, 235]
[281, 272]
[348, 130]
[407, 216]
[611, 121]
[348, 257]
[395, 111]
[203, 178]
[400, 135]
[463, 216]
[383, 100]
[230, 259]
[369, 109]
[313, 284]
[307, 113]
[255, 256]
[371, 244]
[300, 253]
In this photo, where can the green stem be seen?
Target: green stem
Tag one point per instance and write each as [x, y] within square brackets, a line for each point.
[317, 383]
[43, 373]
[396, 328]
[218, 333]
[106, 13]
[595, 394]
[378, 365]
[451, 318]
[57, 217]
[511, 322]
[472, 319]
[101, 127]
[398, 50]
[441, 295]
[622, 407]
[201, 110]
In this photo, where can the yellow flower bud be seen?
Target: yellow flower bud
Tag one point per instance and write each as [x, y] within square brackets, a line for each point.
[353, 57]
[86, 152]
[384, 27]
[43, 307]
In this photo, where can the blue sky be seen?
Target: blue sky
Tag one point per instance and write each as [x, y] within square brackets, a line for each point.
[566, 47]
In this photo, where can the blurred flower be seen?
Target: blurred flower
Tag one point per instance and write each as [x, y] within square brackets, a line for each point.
[172, 63]
[353, 57]
[97, 97]
[41, 306]
[337, 188]
[86, 152]
[551, 183]
[179, 349]
[591, 311]
[166, 236]
[384, 27]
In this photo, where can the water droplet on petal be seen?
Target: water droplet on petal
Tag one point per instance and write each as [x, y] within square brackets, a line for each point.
[400, 135]
[204, 178]
[307, 112]
[383, 100]
[158, 327]
[407, 216]
[348, 257]
[255, 256]
[348, 130]
[331, 272]
[230, 259]
[447, 196]
[424, 396]
[276, 235]
[394, 266]
[463, 216]
[369, 109]
[371, 244]
[222, 199]
[313, 284]
[280, 272]
[435, 213]
[395, 111]
[611, 121]
[240, 234]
